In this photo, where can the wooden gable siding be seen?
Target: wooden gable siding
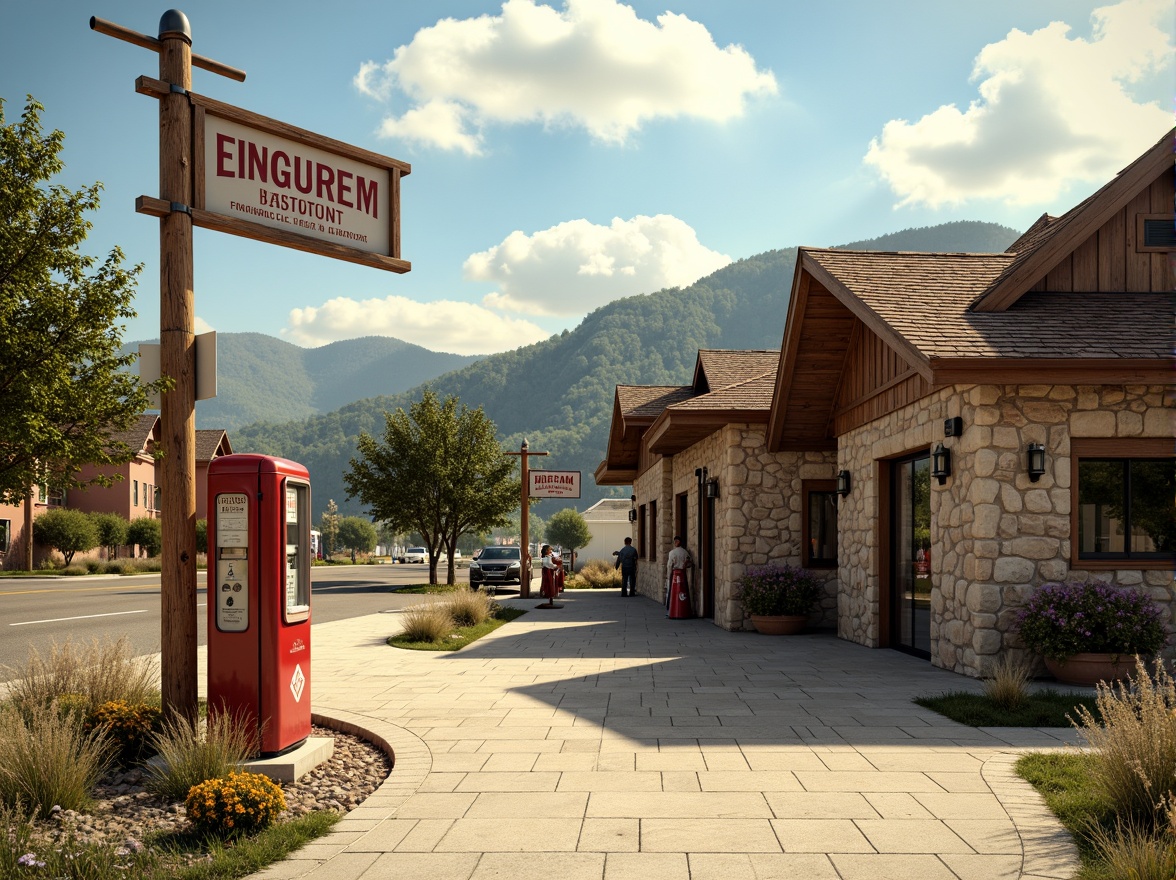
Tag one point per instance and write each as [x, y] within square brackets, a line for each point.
[827, 330]
[1108, 261]
[876, 381]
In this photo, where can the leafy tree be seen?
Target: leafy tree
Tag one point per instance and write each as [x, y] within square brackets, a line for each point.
[68, 531]
[201, 536]
[112, 531]
[568, 529]
[147, 533]
[65, 390]
[357, 534]
[329, 527]
[439, 470]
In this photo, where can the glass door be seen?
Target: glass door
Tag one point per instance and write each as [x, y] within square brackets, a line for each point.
[910, 576]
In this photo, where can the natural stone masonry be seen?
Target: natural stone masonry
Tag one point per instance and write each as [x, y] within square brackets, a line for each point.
[995, 535]
[607, 741]
[758, 515]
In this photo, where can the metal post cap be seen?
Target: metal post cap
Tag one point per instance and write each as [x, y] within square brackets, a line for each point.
[174, 23]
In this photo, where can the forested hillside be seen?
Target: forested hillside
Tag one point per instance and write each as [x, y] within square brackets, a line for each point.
[260, 378]
[559, 393]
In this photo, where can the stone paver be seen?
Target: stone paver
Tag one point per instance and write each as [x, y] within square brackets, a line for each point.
[604, 741]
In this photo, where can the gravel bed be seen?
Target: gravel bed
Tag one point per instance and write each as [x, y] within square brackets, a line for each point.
[125, 812]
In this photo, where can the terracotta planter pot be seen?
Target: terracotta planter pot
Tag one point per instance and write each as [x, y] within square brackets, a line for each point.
[779, 624]
[1090, 669]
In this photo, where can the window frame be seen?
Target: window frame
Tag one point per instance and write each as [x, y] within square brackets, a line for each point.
[653, 530]
[1122, 449]
[5, 535]
[642, 542]
[1141, 221]
[809, 488]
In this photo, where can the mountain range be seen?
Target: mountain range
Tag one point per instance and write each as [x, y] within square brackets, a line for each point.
[558, 394]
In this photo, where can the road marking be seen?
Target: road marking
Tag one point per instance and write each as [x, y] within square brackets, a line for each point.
[83, 617]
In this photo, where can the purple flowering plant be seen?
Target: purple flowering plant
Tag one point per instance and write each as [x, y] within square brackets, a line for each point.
[1061, 620]
[778, 589]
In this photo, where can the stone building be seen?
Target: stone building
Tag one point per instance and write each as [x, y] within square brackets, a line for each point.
[992, 421]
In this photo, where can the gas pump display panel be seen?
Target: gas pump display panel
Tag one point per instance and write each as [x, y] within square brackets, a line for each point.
[297, 528]
[232, 562]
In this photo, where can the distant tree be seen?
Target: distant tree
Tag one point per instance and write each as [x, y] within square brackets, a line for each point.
[329, 527]
[67, 531]
[65, 389]
[147, 533]
[439, 470]
[568, 529]
[112, 531]
[357, 534]
[201, 536]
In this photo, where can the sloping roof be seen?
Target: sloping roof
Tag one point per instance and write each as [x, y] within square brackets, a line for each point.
[212, 443]
[1039, 253]
[609, 510]
[919, 304]
[647, 401]
[753, 394]
[139, 433]
[717, 368]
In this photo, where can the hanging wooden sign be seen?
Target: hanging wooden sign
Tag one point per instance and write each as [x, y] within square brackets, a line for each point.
[263, 179]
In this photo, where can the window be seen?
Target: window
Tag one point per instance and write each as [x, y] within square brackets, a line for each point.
[642, 548]
[5, 532]
[147, 495]
[155, 492]
[135, 498]
[819, 528]
[653, 530]
[1154, 233]
[1126, 505]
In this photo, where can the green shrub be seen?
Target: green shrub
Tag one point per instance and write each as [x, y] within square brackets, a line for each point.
[1061, 620]
[468, 607]
[46, 759]
[427, 623]
[1135, 745]
[131, 728]
[94, 566]
[147, 532]
[65, 530]
[75, 570]
[100, 672]
[112, 531]
[778, 589]
[241, 803]
[191, 752]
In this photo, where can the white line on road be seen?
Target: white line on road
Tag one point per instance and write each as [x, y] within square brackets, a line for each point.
[83, 617]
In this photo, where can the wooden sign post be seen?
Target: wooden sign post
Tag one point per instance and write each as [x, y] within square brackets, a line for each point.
[185, 155]
[524, 524]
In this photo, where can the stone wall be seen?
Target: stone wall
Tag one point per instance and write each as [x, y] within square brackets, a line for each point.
[995, 535]
[758, 515]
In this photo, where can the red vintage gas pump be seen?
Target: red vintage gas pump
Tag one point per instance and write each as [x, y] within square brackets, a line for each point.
[259, 595]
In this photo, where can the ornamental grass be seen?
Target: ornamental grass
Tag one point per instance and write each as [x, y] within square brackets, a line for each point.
[468, 607]
[1135, 744]
[191, 752]
[1008, 687]
[429, 622]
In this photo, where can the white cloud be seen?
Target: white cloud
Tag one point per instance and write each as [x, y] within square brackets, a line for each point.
[1051, 111]
[593, 64]
[457, 327]
[573, 268]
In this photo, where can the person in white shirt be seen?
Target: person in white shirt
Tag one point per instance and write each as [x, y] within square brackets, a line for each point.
[678, 558]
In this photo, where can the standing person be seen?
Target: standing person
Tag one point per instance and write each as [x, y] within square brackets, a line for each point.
[627, 563]
[549, 585]
[678, 558]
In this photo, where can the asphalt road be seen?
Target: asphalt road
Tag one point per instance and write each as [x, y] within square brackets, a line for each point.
[40, 611]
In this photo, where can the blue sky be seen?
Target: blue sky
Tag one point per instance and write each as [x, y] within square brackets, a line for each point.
[569, 153]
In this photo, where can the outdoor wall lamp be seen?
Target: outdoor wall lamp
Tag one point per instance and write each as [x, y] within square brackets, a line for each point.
[941, 463]
[1036, 461]
[843, 484]
[712, 488]
[632, 516]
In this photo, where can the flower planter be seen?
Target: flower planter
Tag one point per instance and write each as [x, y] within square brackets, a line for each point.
[779, 624]
[1090, 669]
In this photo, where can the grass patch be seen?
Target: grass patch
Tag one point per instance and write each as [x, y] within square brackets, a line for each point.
[461, 636]
[429, 589]
[1047, 708]
[244, 856]
[1068, 785]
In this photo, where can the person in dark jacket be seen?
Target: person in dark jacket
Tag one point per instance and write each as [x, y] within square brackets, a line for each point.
[627, 563]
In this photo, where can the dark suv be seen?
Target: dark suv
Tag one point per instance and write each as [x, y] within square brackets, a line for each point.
[496, 565]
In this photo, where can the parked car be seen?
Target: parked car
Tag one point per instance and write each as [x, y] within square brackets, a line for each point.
[443, 559]
[415, 554]
[496, 565]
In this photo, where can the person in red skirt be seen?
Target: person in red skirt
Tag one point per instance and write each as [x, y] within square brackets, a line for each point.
[550, 584]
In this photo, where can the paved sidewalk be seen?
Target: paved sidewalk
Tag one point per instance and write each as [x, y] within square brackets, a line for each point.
[604, 741]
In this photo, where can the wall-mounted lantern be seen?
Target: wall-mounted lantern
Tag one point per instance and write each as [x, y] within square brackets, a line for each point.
[711, 488]
[632, 516]
[941, 463]
[1036, 454]
[843, 483]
